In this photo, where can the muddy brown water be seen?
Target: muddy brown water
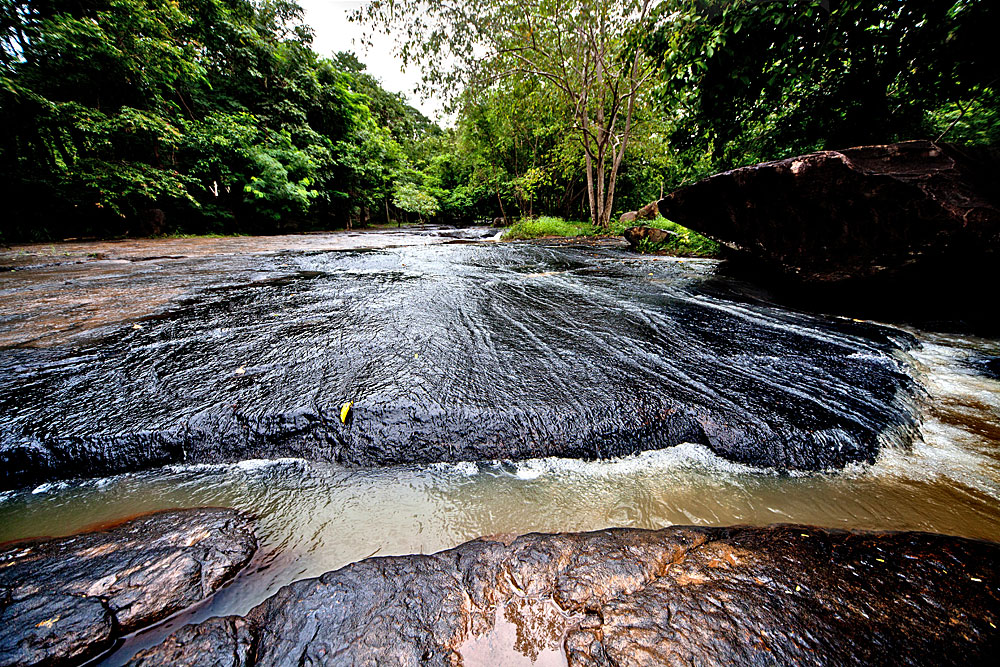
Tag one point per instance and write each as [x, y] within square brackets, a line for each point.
[315, 517]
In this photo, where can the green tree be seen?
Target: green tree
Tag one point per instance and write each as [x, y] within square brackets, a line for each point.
[412, 199]
[585, 50]
[746, 80]
[215, 111]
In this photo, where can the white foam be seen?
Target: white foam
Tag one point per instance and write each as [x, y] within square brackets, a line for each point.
[246, 465]
[685, 456]
[461, 468]
[50, 487]
[257, 464]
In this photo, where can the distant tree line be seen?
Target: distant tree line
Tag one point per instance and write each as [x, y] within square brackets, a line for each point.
[157, 116]
[142, 116]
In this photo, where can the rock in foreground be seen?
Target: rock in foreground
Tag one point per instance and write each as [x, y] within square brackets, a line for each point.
[859, 213]
[65, 600]
[779, 595]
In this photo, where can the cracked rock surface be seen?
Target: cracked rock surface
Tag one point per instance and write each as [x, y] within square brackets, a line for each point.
[65, 600]
[681, 595]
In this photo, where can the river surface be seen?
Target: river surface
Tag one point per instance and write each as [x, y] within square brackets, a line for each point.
[316, 516]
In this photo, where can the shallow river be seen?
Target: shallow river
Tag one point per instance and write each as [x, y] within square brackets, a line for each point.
[314, 517]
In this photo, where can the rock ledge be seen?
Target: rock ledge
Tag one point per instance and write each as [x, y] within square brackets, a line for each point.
[682, 595]
[66, 600]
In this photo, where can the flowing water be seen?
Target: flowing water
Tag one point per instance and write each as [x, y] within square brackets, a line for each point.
[318, 516]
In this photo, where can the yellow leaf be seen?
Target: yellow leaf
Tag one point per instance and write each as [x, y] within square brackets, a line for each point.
[49, 623]
[345, 411]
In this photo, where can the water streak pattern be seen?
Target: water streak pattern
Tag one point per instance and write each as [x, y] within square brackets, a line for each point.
[455, 353]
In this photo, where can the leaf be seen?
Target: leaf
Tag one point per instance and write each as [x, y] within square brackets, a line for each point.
[345, 411]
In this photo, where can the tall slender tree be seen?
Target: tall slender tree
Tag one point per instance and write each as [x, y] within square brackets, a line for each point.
[585, 49]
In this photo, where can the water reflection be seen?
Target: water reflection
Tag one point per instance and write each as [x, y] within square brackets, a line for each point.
[525, 632]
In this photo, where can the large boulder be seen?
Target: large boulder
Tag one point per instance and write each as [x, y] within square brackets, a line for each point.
[898, 210]
[66, 600]
[778, 595]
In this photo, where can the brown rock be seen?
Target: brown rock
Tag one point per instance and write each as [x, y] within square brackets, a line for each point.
[647, 212]
[65, 600]
[778, 595]
[636, 235]
[859, 213]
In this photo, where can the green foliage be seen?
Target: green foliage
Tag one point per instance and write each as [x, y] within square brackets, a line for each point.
[684, 242]
[219, 114]
[216, 112]
[408, 197]
[534, 228]
[746, 81]
[582, 55]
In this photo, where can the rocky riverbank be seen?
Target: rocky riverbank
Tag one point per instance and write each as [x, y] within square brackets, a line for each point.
[720, 596]
[66, 600]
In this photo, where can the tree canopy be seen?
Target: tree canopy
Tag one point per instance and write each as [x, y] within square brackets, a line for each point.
[746, 81]
[213, 115]
[152, 116]
[584, 53]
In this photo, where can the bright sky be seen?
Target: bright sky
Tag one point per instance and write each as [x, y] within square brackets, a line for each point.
[335, 33]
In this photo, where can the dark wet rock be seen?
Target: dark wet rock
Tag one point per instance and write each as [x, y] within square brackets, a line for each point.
[872, 212]
[779, 595]
[636, 235]
[990, 367]
[455, 353]
[65, 600]
[217, 642]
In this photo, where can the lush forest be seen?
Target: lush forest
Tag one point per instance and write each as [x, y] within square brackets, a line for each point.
[139, 117]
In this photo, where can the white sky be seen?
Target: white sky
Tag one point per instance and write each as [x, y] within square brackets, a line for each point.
[335, 33]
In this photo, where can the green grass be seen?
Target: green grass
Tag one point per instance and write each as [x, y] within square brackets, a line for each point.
[687, 242]
[536, 228]
[179, 235]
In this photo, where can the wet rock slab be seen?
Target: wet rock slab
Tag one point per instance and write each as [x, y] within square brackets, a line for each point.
[455, 353]
[778, 595]
[65, 600]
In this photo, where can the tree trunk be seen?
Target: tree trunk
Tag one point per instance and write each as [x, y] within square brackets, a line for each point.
[503, 213]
